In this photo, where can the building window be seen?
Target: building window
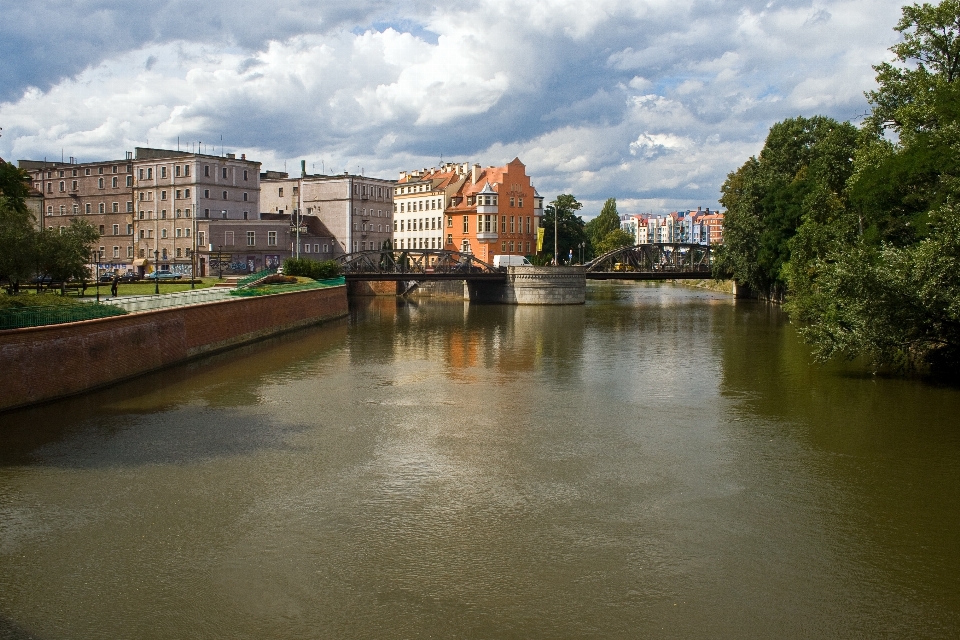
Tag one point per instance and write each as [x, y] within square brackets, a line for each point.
[179, 232]
[280, 192]
[130, 252]
[306, 248]
[163, 232]
[271, 238]
[116, 207]
[63, 186]
[224, 172]
[466, 224]
[129, 229]
[176, 171]
[206, 171]
[100, 208]
[224, 195]
[116, 229]
[206, 213]
[179, 252]
[149, 173]
[163, 172]
[74, 185]
[325, 250]
[177, 195]
[244, 196]
[163, 194]
[200, 237]
[129, 206]
[76, 209]
[116, 252]
[244, 174]
[228, 238]
[519, 202]
[141, 253]
[129, 181]
[251, 238]
[186, 170]
[449, 238]
[186, 193]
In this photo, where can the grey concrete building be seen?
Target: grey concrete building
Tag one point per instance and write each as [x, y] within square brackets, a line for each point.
[356, 209]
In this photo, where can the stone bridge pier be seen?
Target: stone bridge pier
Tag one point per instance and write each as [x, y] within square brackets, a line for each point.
[532, 285]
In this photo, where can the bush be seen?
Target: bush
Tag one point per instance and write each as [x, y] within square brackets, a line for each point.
[311, 268]
[280, 280]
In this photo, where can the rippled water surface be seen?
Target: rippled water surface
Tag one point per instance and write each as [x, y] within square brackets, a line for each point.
[661, 462]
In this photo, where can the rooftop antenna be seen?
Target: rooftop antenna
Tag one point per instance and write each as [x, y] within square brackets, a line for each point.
[178, 143]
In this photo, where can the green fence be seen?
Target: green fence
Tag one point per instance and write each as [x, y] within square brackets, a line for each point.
[253, 277]
[271, 289]
[39, 316]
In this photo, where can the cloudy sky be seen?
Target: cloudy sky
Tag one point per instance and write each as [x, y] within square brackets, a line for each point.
[652, 102]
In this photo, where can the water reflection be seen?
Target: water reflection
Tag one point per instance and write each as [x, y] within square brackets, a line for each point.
[661, 461]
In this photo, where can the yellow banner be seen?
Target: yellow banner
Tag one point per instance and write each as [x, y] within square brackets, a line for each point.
[540, 239]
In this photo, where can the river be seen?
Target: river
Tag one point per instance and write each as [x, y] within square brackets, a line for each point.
[660, 462]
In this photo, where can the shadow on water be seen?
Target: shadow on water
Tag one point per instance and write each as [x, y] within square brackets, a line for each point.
[9, 630]
[181, 414]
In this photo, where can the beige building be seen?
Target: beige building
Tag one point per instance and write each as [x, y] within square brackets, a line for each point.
[99, 192]
[173, 190]
[356, 210]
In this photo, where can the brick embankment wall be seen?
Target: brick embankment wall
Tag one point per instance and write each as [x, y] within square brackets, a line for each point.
[373, 288]
[43, 363]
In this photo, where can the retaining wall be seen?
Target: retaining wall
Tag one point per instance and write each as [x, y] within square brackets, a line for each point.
[43, 363]
[534, 285]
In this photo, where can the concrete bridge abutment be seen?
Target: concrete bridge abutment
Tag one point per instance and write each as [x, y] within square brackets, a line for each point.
[533, 286]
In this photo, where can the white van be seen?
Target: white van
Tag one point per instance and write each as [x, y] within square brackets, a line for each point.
[511, 261]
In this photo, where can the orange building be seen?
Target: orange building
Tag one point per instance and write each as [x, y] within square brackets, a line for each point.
[486, 212]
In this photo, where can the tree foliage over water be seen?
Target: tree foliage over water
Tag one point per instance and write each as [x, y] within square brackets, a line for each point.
[861, 227]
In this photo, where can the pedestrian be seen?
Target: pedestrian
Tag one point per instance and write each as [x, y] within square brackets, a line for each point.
[115, 285]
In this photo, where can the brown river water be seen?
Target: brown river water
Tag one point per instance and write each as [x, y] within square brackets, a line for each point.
[662, 462]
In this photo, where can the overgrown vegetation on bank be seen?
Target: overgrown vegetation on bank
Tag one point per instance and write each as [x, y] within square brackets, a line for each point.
[858, 229]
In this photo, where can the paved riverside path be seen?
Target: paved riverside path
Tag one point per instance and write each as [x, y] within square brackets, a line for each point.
[134, 304]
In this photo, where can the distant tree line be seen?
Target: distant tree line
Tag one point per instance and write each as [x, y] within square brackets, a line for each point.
[26, 250]
[857, 229]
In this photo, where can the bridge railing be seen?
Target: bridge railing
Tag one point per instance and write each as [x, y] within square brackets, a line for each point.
[413, 262]
[655, 258]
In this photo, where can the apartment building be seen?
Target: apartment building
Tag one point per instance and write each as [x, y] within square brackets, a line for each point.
[173, 190]
[356, 209]
[99, 192]
[482, 211]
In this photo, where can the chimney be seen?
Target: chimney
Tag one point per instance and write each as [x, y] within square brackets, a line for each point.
[243, 156]
[476, 173]
[231, 156]
[303, 168]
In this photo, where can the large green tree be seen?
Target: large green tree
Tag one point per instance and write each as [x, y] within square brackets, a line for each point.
[804, 162]
[18, 234]
[570, 227]
[880, 272]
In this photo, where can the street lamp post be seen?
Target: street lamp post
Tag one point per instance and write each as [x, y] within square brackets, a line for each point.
[96, 271]
[220, 259]
[156, 272]
[581, 252]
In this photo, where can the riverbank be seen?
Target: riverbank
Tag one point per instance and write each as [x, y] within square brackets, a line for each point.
[723, 286]
[38, 364]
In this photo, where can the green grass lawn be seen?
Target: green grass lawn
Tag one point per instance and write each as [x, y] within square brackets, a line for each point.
[141, 288]
[144, 288]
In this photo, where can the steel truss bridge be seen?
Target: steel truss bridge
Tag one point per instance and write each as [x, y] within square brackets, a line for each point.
[417, 264]
[662, 261]
[667, 261]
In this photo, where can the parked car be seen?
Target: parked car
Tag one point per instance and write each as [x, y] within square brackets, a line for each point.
[163, 275]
